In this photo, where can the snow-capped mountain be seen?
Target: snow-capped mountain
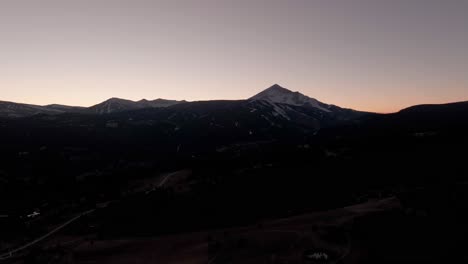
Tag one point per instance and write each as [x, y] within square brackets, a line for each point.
[278, 94]
[286, 102]
[114, 105]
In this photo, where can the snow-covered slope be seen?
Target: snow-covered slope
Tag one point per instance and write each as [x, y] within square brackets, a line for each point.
[278, 94]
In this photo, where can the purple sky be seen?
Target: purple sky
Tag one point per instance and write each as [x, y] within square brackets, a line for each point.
[365, 54]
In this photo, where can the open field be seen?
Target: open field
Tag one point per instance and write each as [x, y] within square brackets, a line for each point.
[335, 236]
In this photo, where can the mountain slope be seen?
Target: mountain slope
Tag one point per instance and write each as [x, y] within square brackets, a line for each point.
[66, 108]
[427, 117]
[114, 105]
[16, 110]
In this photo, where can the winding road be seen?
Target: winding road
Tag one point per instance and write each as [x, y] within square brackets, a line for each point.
[11, 253]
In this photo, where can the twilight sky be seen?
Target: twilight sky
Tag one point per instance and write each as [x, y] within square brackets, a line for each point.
[375, 55]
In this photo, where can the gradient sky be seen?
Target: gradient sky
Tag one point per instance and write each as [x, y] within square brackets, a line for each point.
[375, 55]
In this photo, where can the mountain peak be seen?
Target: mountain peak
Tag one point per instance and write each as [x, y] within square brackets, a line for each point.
[277, 87]
[115, 100]
[279, 94]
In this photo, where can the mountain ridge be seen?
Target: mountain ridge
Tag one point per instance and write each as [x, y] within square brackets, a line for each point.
[114, 104]
[277, 96]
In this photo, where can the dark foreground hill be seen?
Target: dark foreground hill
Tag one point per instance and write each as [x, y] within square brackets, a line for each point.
[221, 164]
